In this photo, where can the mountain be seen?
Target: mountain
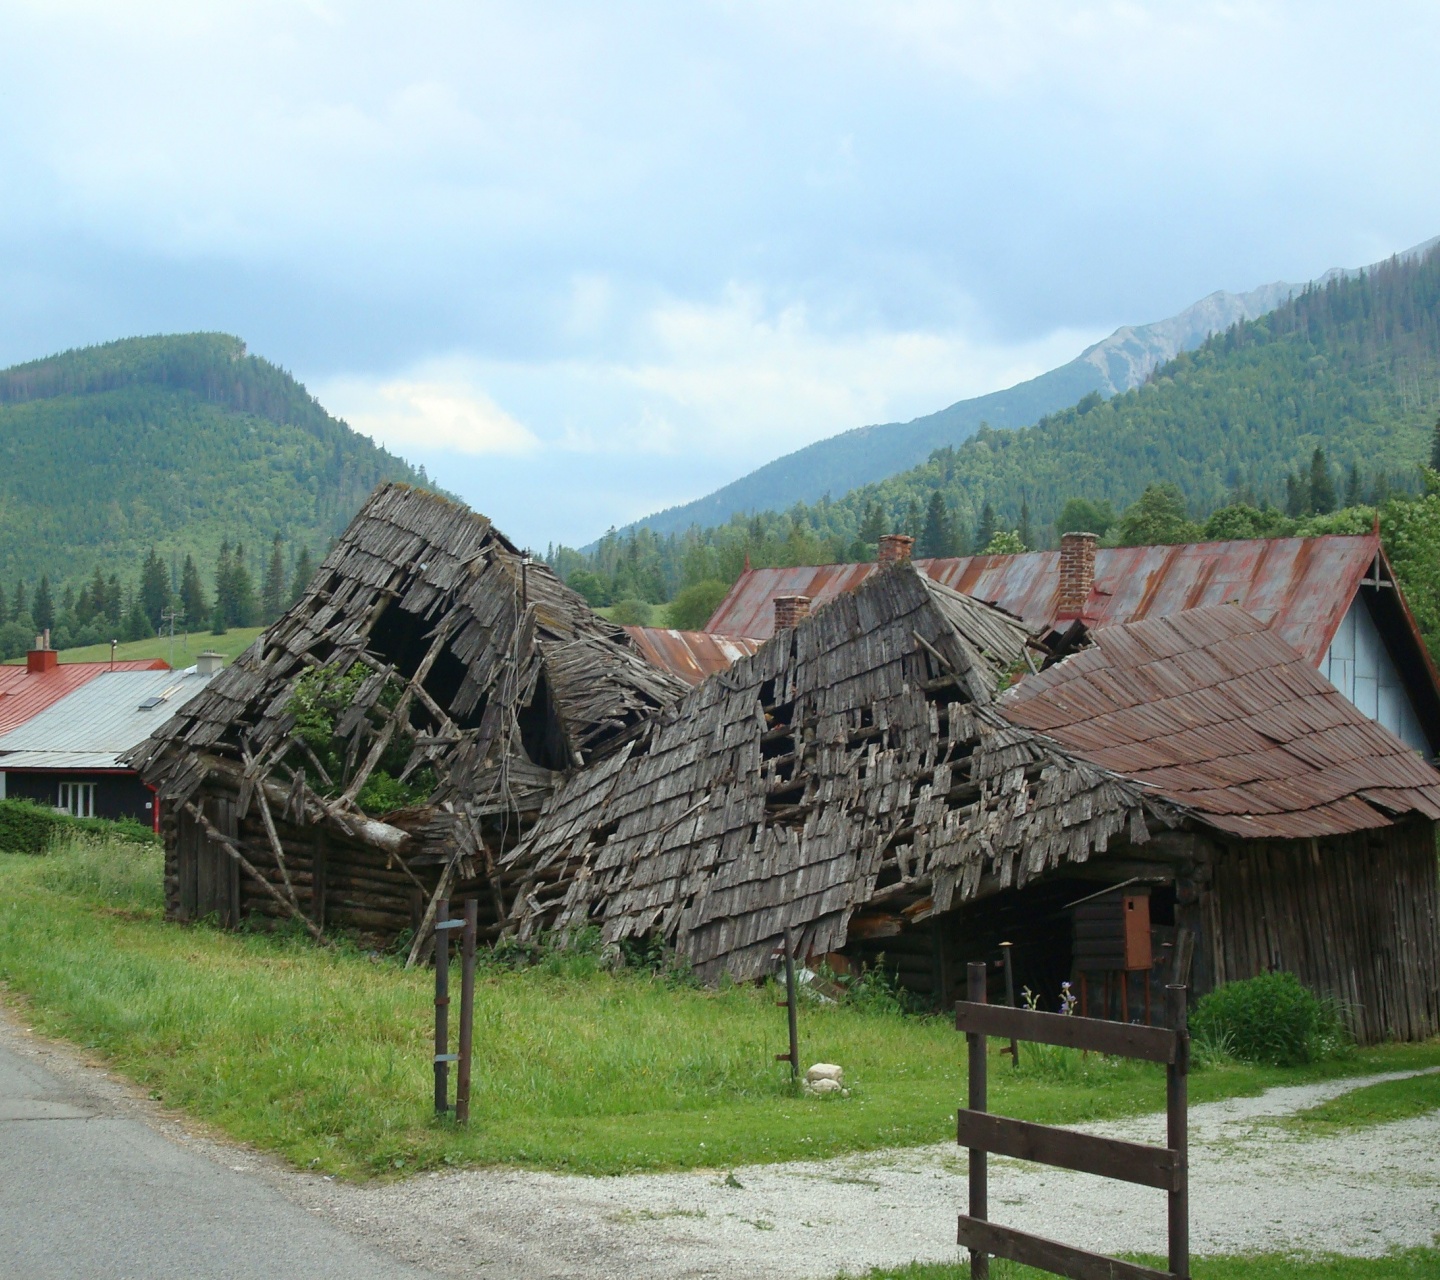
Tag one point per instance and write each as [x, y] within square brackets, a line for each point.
[865, 455]
[177, 442]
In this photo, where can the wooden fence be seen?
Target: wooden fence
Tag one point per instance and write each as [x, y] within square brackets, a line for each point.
[1162, 1167]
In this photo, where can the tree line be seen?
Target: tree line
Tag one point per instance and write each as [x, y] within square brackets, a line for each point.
[155, 599]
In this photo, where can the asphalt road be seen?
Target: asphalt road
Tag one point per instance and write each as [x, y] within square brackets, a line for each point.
[92, 1187]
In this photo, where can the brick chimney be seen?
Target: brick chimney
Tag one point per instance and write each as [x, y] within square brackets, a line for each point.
[790, 610]
[1077, 573]
[895, 548]
[42, 657]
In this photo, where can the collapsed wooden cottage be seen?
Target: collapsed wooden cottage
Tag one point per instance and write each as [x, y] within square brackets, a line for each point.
[863, 781]
[395, 733]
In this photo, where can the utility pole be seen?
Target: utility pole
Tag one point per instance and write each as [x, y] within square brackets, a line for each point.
[172, 616]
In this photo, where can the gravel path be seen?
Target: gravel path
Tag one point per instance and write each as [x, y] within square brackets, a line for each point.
[1253, 1187]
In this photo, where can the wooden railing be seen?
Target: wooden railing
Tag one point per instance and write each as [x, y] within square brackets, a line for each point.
[1162, 1167]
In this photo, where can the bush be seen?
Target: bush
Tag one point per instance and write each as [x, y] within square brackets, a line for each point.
[692, 607]
[1270, 1019]
[31, 828]
[632, 613]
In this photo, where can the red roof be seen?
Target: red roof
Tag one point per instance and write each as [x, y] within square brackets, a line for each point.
[1221, 716]
[23, 695]
[691, 655]
[1301, 586]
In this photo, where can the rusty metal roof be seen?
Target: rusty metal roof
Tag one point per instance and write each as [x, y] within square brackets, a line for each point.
[1301, 586]
[1219, 715]
[24, 694]
[691, 655]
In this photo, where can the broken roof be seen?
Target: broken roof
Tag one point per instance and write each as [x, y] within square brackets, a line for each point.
[855, 758]
[1216, 713]
[507, 675]
[1301, 586]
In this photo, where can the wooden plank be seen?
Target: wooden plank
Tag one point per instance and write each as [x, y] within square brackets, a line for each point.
[1049, 1255]
[1152, 1044]
[1135, 1162]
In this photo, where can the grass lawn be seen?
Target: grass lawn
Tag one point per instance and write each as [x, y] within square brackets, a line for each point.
[324, 1057]
[1409, 1264]
[185, 651]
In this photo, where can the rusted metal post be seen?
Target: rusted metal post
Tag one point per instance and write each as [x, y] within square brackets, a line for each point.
[467, 1010]
[1176, 1133]
[792, 1007]
[442, 1008]
[979, 1182]
[1006, 948]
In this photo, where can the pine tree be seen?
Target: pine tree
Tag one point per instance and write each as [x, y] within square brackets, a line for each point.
[985, 530]
[245, 608]
[1322, 484]
[43, 610]
[272, 595]
[937, 537]
[192, 595]
[304, 571]
[154, 594]
[1354, 490]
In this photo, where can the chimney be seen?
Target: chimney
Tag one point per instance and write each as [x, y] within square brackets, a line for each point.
[895, 548]
[209, 663]
[42, 657]
[790, 611]
[1077, 573]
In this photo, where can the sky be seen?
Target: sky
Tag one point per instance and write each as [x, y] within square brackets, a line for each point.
[588, 261]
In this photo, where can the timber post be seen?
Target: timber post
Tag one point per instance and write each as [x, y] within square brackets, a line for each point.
[1007, 960]
[467, 1010]
[792, 1011]
[977, 1101]
[1177, 1134]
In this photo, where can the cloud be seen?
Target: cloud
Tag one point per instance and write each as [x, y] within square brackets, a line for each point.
[445, 414]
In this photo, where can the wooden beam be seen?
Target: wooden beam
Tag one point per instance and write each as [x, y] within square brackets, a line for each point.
[1049, 1255]
[1135, 1162]
[1151, 1044]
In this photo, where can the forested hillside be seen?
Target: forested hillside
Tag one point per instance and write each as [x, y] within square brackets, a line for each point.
[1351, 368]
[155, 449]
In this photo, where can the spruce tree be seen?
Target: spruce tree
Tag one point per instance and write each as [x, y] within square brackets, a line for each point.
[1435, 447]
[1322, 484]
[304, 571]
[154, 594]
[43, 610]
[4, 610]
[1354, 489]
[272, 594]
[245, 609]
[192, 595]
[914, 517]
[19, 602]
[936, 536]
[114, 600]
[985, 530]
[1027, 538]
[224, 586]
[872, 526]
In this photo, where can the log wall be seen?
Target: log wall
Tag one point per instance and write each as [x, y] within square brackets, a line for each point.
[1354, 917]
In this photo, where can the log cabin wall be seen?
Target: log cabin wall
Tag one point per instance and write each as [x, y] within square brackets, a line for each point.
[1353, 917]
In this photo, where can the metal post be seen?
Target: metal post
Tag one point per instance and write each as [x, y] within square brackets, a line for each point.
[1176, 1135]
[979, 1185]
[791, 1003]
[442, 1008]
[1006, 948]
[467, 1010]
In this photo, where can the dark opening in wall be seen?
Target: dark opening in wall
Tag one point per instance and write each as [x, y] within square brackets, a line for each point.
[540, 732]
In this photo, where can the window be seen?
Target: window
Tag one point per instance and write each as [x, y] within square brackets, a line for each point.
[77, 798]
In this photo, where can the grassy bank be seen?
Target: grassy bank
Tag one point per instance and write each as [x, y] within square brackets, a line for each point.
[1408, 1264]
[324, 1057]
[183, 652]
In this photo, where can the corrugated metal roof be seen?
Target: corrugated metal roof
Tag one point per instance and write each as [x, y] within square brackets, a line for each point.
[23, 695]
[93, 724]
[1302, 586]
[1219, 715]
[691, 655]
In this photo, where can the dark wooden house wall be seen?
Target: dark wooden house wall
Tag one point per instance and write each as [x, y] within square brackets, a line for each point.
[117, 795]
[1354, 917]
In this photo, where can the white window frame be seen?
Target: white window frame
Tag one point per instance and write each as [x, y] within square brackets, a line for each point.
[77, 799]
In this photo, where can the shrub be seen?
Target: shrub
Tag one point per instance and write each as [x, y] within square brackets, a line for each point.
[632, 613]
[692, 607]
[31, 828]
[1269, 1019]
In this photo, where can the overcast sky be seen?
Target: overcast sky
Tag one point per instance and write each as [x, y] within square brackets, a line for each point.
[586, 261]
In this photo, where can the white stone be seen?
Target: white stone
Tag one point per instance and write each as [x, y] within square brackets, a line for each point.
[823, 1085]
[825, 1071]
